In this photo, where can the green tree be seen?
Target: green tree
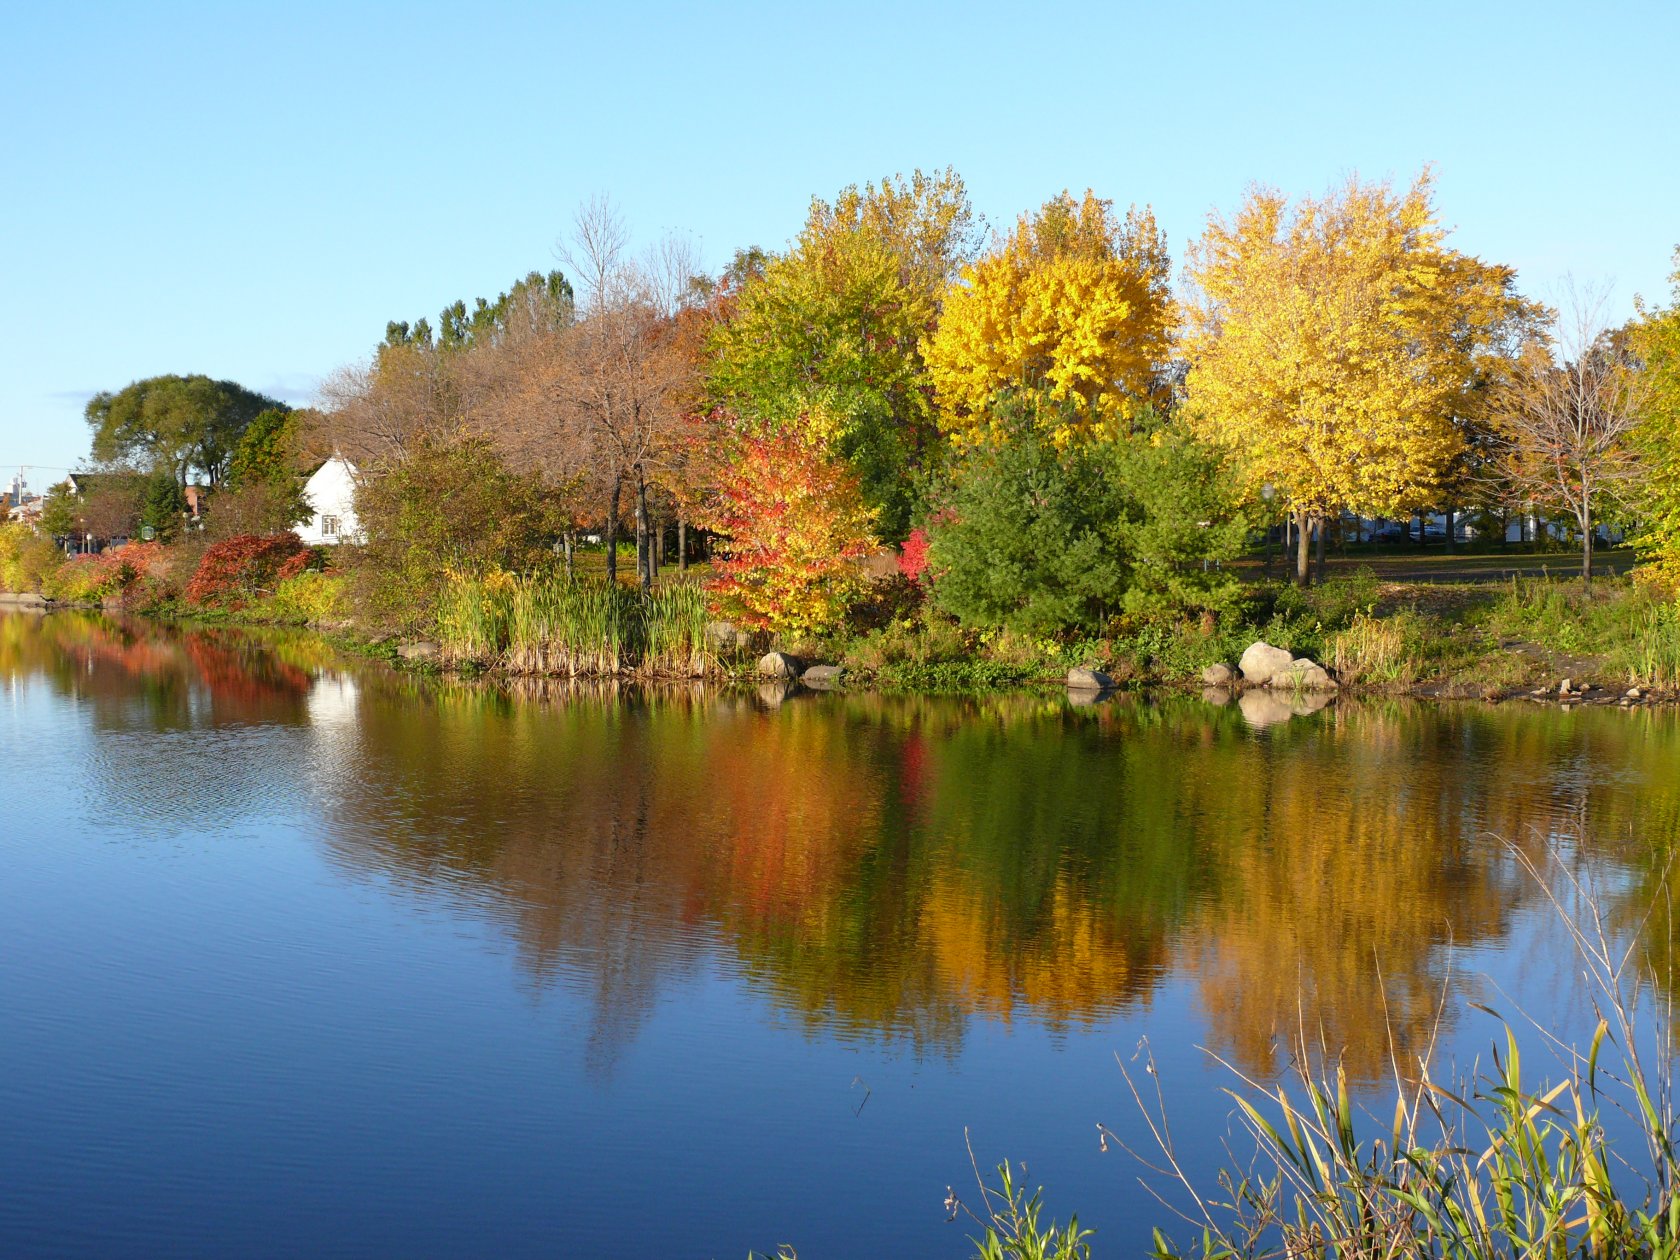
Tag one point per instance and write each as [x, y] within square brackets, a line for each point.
[1028, 536]
[1182, 517]
[174, 423]
[162, 504]
[451, 507]
[58, 511]
[1656, 340]
[263, 493]
[832, 328]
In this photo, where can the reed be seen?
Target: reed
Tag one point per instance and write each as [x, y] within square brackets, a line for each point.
[1495, 1165]
[547, 623]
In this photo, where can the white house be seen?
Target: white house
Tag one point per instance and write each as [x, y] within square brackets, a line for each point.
[331, 495]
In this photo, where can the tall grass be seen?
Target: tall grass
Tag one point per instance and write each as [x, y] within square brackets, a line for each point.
[546, 623]
[1634, 629]
[1495, 1165]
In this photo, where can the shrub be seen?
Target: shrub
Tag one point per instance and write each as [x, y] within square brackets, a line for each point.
[94, 579]
[1029, 538]
[451, 508]
[27, 559]
[313, 597]
[795, 525]
[247, 567]
[1045, 540]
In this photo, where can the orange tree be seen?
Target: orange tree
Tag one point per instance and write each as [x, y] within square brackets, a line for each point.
[795, 523]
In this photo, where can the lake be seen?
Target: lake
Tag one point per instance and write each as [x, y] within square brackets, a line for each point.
[300, 956]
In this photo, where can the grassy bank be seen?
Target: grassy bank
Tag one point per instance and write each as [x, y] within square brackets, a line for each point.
[1383, 637]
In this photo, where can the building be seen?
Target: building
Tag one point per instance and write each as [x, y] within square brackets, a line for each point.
[331, 495]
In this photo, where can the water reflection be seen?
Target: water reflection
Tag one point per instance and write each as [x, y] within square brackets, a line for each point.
[894, 869]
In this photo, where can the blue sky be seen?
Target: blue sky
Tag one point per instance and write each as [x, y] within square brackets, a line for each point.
[252, 192]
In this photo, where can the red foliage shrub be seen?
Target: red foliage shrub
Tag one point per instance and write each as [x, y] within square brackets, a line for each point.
[795, 526]
[247, 567]
[90, 579]
[913, 556]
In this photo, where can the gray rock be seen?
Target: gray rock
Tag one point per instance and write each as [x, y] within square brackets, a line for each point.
[1303, 675]
[420, 650]
[1088, 680]
[1219, 675]
[726, 636]
[1260, 661]
[1564, 686]
[823, 677]
[22, 599]
[780, 665]
[1633, 693]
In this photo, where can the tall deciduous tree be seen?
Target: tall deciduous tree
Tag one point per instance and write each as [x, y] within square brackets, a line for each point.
[1073, 305]
[1566, 417]
[831, 331]
[1656, 340]
[175, 423]
[1333, 345]
[626, 381]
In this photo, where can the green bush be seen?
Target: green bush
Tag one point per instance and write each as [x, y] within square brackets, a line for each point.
[27, 559]
[1046, 541]
[451, 509]
[314, 598]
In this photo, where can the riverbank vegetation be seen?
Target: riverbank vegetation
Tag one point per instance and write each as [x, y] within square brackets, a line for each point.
[943, 456]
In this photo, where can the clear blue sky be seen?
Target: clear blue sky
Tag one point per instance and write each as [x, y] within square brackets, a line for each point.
[253, 192]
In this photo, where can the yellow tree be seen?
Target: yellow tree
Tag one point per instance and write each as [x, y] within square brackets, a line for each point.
[1335, 346]
[1074, 303]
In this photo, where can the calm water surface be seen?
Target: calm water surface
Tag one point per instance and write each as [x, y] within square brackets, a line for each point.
[302, 958]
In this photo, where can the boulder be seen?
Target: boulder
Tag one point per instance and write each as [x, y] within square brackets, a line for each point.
[726, 636]
[780, 665]
[420, 650]
[823, 677]
[1088, 680]
[1220, 675]
[1303, 675]
[1260, 661]
[1564, 686]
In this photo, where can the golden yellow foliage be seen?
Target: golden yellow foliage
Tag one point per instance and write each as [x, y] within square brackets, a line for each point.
[1074, 303]
[1336, 344]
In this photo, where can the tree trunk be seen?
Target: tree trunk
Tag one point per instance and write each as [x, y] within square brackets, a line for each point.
[1320, 528]
[568, 540]
[1586, 546]
[1451, 529]
[612, 528]
[682, 545]
[644, 544]
[1303, 548]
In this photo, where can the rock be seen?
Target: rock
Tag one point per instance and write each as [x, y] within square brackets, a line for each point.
[823, 677]
[780, 665]
[1633, 693]
[1219, 675]
[1088, 680]
[1563, 687]
[1303, 675]
[22, 599]
[727, 636]
[420, 650]
[1260, 661]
